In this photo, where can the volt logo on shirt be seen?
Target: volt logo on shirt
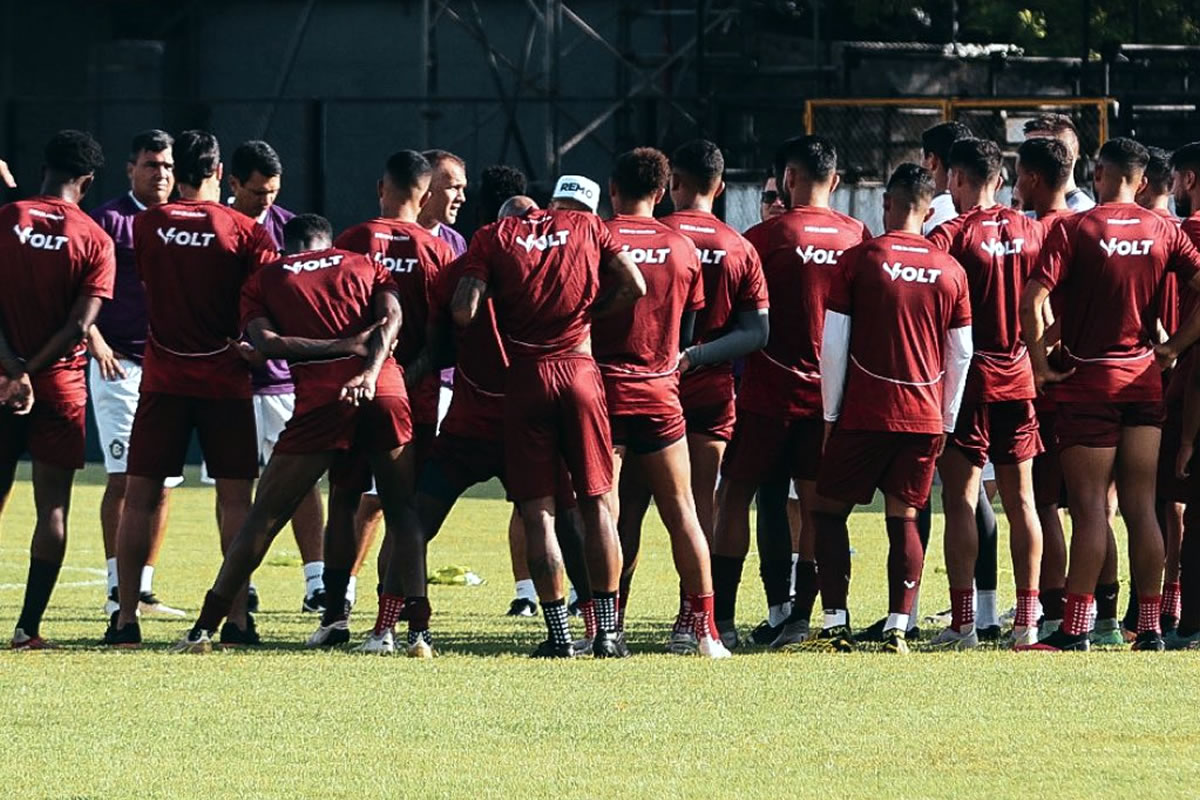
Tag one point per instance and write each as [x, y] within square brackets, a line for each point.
[646, 255]
[39, 241]
[395, 264]
[817, 255]
[710, 256]
[543, 242]
[995, 247]
[1125, 247]
[898, 271]
[173, 235]
[309, 265]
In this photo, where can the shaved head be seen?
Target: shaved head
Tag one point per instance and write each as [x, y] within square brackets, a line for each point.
[515, 206]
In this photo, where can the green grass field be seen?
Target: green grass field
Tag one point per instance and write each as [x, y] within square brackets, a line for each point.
[482, 720]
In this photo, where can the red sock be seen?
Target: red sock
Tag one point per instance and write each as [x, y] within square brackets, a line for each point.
[962, 608]
[1027, 603]
[833, 558]
[1149, 609]
[702, 616]
[683, 620]
[906, 559]
[587, 610]
[390, 606]
[1170, 600]
[1075, 615]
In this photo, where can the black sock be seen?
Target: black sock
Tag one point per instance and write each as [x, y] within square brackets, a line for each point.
[806, 590]
[606, 611]
[1106, 602]
[42, 577]
[985, 561]
[925, 524]
[726, 575]
[555, 614]
[336, 581]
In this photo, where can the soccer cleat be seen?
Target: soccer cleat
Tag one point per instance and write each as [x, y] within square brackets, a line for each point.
[708, 647]
[1168, 623]
[764, 633]
[335, 634]
[875, 632]
[683, 643]
[1058, 642]
[313, 603]
[112, 603]
[894, 641]
[838, 639]
[1173, 640]
[129, 636]
[943, 618]
[148, 603]
[419, 649]
[583, 647]
[1151, 641]
[379, 644]
[728, 633]
[196, 640]
[233, 636]
[1106, 633]
[548, 649]
[1023, 636]
[989, 633]
[522, 607]
[23, 641]
[609, 645]
[791, 632]
[950, 639]
[252, 600]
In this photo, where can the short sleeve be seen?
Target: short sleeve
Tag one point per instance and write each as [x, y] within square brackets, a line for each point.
[252, 304]
[960, 314]
[1055, 257]
[751, 291]
[100, 271]
[609, 249]
[478, 258]
[1185, 258]
[941, 237]
[841, 287]
[260, 249]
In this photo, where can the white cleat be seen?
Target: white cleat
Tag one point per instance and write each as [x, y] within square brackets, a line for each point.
[332, 635]
[950, 639]
[791, 633]
[419, 649]
[150, 604]
[682, 643]
[1023, 636]
[201, 642]
[709, 647]
[379, 644]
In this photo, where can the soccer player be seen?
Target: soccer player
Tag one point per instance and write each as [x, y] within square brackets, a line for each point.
[334, 315]
[447, 193]
[414, 256]
[57, 267]
[255, 175]
[998, 248]
[544, 270]
[894, 361]
[1111, 263]
[193, 255]
[935, 153]
[116, 343]
[1060, 126]
[779, 430]
[638, 353]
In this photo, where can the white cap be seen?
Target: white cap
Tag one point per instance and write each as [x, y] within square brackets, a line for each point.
[578, 188]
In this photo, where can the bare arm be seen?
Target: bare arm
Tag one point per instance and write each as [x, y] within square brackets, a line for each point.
[630, 287]
[1033, 331]
[379, 346]
[16, 389]
[79, 319]
[468, 298]
[272, 344]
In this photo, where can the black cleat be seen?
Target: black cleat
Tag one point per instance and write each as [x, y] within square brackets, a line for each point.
[610, 645]
[895, 642]
[913, 634]
[233, 636]
[314, 603]
[765, 633]
[522, 607]
[1168, 623]
[1148, 640]
[252, 601]
[875, 632]
[548, 649]
[129, 636]
[989, 634]
[1059, 641]
[838, 639]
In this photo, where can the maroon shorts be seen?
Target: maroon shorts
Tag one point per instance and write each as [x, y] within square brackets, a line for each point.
[354, 432]
[714, 421]
[1003, 432]
[764, 447]
[457, 463]
[52, 434]
[1048, 486]
[1100, 424]
[856, 463]
[1171, 488]
[162, 431]
[554, 412]
[642, 434]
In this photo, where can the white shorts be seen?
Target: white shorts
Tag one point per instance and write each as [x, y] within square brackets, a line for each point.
[271, 415]
[115, 404]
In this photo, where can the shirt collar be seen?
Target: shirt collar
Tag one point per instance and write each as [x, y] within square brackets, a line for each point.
[140, 205]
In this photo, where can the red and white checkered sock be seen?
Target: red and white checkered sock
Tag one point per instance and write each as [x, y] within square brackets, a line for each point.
[1076, 618]
[702, 616]
[1171, 605]
[1149, 609]
[1027, 607]
[962, 608]
[587, 610]
[683, 620]
[390, 606]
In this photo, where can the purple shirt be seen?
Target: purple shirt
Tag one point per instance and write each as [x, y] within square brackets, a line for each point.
[122, 321]
[275, 377]
[451, 237]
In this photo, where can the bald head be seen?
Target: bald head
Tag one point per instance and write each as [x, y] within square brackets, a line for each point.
[515, 206]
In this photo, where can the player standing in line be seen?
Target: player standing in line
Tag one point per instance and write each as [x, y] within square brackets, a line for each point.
[1183, 398]
[1111, 263]
[57, 267]
[116, 343]
[1060, 126]
[193, 255]
[554, 409]
[894, 361]
[335, 316]
[255, 175]
[998, 249]
[779, 429]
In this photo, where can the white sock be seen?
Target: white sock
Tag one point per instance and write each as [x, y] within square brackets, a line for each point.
[147, 579]
[914, 613]
[777, 614]
[112, 574]
[792, 579]
[314, 576]
[835, 616]
[351, 588]
[985, 608]
[572, 596]
[896, 622]
[526, 590]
